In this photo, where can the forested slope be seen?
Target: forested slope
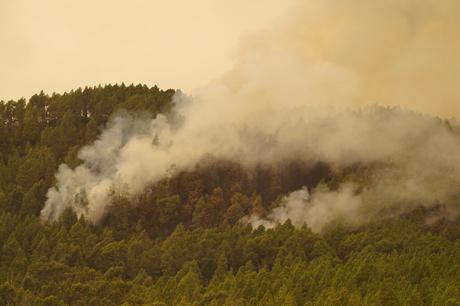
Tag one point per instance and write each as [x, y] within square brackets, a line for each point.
[180, 241]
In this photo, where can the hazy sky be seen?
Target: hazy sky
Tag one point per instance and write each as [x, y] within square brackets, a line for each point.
[58, 45]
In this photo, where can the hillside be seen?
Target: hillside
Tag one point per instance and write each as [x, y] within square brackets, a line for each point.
[185, 238]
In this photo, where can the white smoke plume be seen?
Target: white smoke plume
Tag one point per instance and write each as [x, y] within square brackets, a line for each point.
[317, 210]
[301, 91]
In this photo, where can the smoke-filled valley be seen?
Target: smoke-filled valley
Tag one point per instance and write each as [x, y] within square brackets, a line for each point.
[323, 168]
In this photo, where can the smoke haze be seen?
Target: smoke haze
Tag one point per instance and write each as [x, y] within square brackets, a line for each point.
[305, 89]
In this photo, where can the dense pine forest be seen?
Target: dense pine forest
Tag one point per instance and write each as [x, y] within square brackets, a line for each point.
[181, 241]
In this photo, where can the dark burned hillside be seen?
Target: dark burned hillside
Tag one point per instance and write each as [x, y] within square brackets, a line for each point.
[181, 241]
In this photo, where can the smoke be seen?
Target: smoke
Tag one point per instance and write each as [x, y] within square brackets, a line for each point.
[354, 52]
[317, 210]
[305, 90]
[404, 160]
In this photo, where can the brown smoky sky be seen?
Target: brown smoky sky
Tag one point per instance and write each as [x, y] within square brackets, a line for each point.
[59, 45]
[390, 52]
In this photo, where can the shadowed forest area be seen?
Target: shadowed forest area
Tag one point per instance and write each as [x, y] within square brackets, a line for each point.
[181, 241]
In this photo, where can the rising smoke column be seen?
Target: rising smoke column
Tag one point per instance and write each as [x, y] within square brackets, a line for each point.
[300, 91]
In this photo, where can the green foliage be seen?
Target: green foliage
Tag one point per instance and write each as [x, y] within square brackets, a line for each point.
[180, 242]
[78, 263]
[37, 136]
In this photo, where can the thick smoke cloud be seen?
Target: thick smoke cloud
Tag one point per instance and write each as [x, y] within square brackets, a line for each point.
[389, 52]
[302, 90]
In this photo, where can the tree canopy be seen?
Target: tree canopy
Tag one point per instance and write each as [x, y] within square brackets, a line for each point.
[180, 241]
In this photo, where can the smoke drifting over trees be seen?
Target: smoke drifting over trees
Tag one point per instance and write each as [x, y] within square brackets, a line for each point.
[305, 91]
[318, 171]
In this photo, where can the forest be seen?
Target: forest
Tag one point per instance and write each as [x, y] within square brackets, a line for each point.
[181, 241]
